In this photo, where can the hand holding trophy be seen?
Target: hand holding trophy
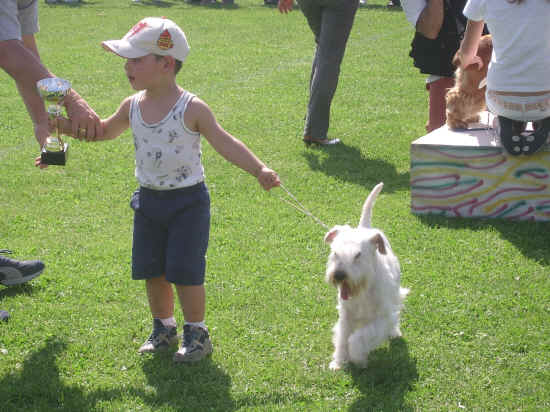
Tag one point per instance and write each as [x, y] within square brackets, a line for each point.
[53, 90]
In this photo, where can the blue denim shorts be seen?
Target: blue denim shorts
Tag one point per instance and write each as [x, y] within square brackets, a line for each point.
[171, 231]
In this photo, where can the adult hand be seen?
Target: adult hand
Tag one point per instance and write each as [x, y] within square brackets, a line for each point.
[85, 122]
[41, 132]
[285, 6]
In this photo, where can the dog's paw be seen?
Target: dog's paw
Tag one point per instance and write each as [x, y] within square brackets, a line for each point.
[395, 333]
[336, 365]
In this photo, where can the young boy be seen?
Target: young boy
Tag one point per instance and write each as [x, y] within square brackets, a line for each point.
[172, 205]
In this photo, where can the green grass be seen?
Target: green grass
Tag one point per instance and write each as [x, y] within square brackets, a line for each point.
[476, 323]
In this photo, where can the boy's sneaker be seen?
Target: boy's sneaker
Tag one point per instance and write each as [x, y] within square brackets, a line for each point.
[195, 344]
[14, 272]
[161, 338]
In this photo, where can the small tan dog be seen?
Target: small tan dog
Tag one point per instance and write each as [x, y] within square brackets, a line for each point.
[467, 98]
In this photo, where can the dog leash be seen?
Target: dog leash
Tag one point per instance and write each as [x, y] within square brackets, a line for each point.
[298, 206]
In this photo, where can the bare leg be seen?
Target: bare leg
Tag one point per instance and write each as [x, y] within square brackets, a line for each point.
[161, 297]
[193, 301]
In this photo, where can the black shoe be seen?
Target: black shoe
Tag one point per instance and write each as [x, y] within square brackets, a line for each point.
[14, 272]
[321, 142]
[511, 135]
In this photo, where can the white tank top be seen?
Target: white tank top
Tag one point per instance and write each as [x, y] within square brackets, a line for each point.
[168, 154]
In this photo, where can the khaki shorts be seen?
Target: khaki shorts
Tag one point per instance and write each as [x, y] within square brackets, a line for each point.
[18, 18]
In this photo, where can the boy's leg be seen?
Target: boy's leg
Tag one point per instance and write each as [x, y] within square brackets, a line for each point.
[161, 302]
[193, 301]
[161, 297]
[196, 342]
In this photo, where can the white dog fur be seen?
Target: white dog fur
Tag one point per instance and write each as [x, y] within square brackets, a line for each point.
[367, 274]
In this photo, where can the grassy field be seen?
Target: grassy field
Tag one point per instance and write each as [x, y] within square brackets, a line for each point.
[476, 323]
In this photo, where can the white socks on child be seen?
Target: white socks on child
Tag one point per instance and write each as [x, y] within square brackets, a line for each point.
[171, 323]
[199, 324]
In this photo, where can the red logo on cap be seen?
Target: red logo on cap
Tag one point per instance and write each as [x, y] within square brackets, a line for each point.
[137, 28]
[165, 40]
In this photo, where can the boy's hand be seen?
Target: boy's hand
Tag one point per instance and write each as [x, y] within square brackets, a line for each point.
[268, 178]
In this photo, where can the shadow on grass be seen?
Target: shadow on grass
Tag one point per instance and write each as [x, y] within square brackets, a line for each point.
[530, 238]
[23, 289]
[349, 164]
[390, 374]
[203, 386]
[38, 387]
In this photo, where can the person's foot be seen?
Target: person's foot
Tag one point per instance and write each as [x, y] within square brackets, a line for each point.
[4, 315]
[195, 344]
[15, 272]
[160, 339]
[394, 3]
[321, 142]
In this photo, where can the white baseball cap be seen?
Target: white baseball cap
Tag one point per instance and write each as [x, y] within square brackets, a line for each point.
[152, 35]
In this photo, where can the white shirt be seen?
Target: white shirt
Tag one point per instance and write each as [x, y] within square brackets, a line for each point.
[412, 9]
[168, 154]
[521, 43]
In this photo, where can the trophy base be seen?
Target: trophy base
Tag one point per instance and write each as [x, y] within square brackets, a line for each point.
[55, 158]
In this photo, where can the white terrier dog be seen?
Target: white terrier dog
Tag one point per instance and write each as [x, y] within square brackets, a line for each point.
[367, 274]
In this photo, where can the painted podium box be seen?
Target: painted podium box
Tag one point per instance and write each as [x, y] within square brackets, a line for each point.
[466, 173]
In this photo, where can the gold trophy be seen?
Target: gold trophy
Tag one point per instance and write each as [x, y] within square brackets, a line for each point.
[53, 90]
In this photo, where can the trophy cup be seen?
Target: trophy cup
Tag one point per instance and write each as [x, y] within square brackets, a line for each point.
[53, 90]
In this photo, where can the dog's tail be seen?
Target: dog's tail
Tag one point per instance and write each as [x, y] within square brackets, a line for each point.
[369, 203]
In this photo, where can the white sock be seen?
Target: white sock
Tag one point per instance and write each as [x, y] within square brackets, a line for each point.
[199, 324]
[169, 322]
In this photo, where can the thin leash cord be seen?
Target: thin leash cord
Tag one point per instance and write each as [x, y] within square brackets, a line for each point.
[298, 206]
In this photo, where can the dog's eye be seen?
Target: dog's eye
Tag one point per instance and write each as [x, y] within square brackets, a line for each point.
[357, 256]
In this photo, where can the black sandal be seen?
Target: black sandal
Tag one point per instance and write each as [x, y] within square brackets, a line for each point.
[510, 135]
[534, 141]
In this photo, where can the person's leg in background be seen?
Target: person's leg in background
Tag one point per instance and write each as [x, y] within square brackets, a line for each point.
[437, 107]
[331, 24]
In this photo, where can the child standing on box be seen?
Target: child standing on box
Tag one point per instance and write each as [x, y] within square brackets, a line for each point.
[172, 205]
[518, 79]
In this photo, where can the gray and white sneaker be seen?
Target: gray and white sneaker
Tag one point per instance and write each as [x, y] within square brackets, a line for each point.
[15, 272]
[195, 344]
[160, 339]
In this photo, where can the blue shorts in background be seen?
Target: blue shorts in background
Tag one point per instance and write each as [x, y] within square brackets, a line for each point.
[171, 230]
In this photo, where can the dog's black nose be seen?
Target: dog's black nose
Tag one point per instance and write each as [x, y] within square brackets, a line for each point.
[339, 275]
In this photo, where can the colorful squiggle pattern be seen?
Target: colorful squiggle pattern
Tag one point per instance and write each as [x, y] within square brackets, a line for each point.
[479, 182]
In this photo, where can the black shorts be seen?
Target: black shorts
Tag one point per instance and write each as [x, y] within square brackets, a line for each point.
[171, 231]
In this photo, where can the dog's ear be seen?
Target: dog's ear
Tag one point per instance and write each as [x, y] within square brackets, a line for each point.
[331, 234]
[378, 241]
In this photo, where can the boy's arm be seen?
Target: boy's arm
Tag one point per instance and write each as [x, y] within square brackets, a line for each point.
[113, 126]
[199, 117]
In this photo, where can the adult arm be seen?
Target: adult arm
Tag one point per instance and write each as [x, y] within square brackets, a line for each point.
[20, 59]
[24, 66]
[430, 19]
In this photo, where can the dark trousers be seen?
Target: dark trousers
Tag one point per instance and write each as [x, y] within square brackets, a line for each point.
[331, 22]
